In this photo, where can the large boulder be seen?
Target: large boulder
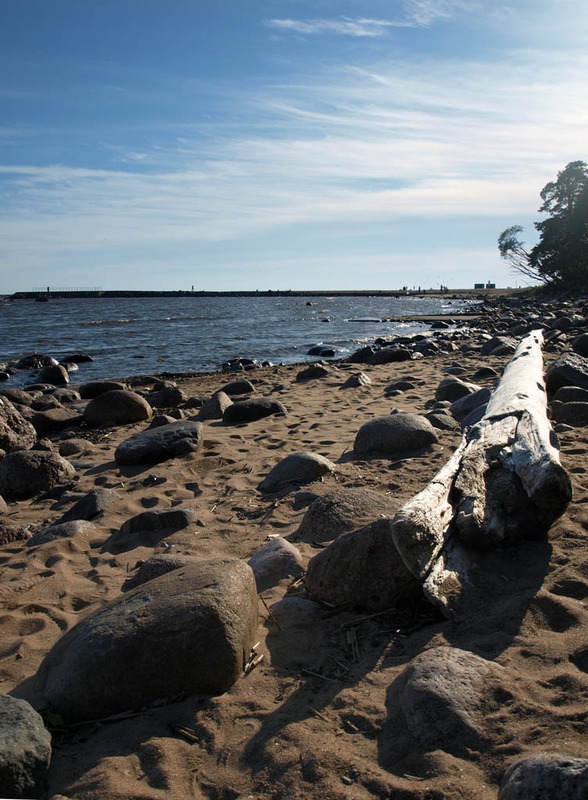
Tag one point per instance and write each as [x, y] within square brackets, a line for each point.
[25, 749]
[453, 388]
[573, 413]
[74, 529]
[215, 407]
[390, 354]
[26, 473]
[297, 468]
[55, 419]
[118, 407]
[252, 409]
[58, 375]
[439, 701]
[187, 632]
[94, 388]
[398, 433]
[546, 776]
[343, 510]
[570, 369]
[15, 432]
[362, 570]
[159, 444]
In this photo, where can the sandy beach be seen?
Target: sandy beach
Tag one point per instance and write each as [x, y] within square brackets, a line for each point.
[315, 717]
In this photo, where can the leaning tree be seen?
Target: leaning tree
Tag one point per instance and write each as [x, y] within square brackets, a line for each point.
[560, 257]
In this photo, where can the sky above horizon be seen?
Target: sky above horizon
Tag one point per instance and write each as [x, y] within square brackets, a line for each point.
[281, 144]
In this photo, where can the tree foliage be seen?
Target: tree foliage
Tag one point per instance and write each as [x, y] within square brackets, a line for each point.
[560, 257]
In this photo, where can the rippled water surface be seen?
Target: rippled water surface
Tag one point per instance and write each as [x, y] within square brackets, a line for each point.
[129, 336]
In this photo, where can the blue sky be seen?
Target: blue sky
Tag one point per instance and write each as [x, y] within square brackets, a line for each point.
[281, 144]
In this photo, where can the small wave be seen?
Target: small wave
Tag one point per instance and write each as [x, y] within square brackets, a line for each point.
[124, 321]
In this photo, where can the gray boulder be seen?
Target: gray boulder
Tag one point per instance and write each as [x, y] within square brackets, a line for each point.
[274, 561]
[297, 468]
[16, 433]
[94, 388]
[25, 749]
[253, 409]
[156, 566]
[312, 372]
[26, 473]
[454, 388]
[149, 528]
[118, 407]
[440, 698]
[499, 346]
[55, 419]
[546, 776]
[580, 344]
[236, 388]
[469, 402]
[167, 395]
[574, 413]
[92, 505]
[18, 396]
[398, 433]
[58, 375]
[362, 570]
[390, 355]
[63, 530]
[215, 407]
[571, 394]
[187, 632]
[356, 380]
[570, 369]
[159, 444]
[341, 511]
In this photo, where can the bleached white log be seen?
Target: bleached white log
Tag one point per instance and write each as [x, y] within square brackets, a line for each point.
[505, 481]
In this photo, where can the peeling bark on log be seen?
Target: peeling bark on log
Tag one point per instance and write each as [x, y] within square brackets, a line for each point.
[503, 483]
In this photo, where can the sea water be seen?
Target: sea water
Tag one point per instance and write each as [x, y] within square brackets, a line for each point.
[130, 336]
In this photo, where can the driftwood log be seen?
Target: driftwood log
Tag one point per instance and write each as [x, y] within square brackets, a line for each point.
[503, 483]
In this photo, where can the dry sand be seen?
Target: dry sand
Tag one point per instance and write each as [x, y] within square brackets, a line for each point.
[311, 720]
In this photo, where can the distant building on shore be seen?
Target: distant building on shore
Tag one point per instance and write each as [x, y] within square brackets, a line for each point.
[484, 286]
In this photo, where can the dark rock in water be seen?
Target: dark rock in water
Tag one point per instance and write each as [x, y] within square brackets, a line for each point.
[253, 409]
[159, 444]
[26, 473]
[187, 632]
[321, 351]
[570, 369]
[94, 388]
[546, 776]
[78, 358]
[25, 750]
[314, 371]
[239, 364]
[362, 570]
[63, 530]
[276, 560]
[4, 376]
[573, 413]
[341, 511]
[361, 356]
[439, 702]
[15, 432]
[237, 388]
[36, 361]
[356, 380]
[57, 375]
[391, 354]
[92, 505]
[398, 433]
[117, 407]
[149, 528]
[297, 468]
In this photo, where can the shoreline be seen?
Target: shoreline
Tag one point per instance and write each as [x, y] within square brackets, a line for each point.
[397, 293]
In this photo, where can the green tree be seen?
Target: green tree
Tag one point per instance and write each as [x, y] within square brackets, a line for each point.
[560, 257]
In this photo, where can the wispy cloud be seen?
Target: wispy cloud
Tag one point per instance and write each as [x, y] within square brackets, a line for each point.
[425, 12]
[343, 26]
